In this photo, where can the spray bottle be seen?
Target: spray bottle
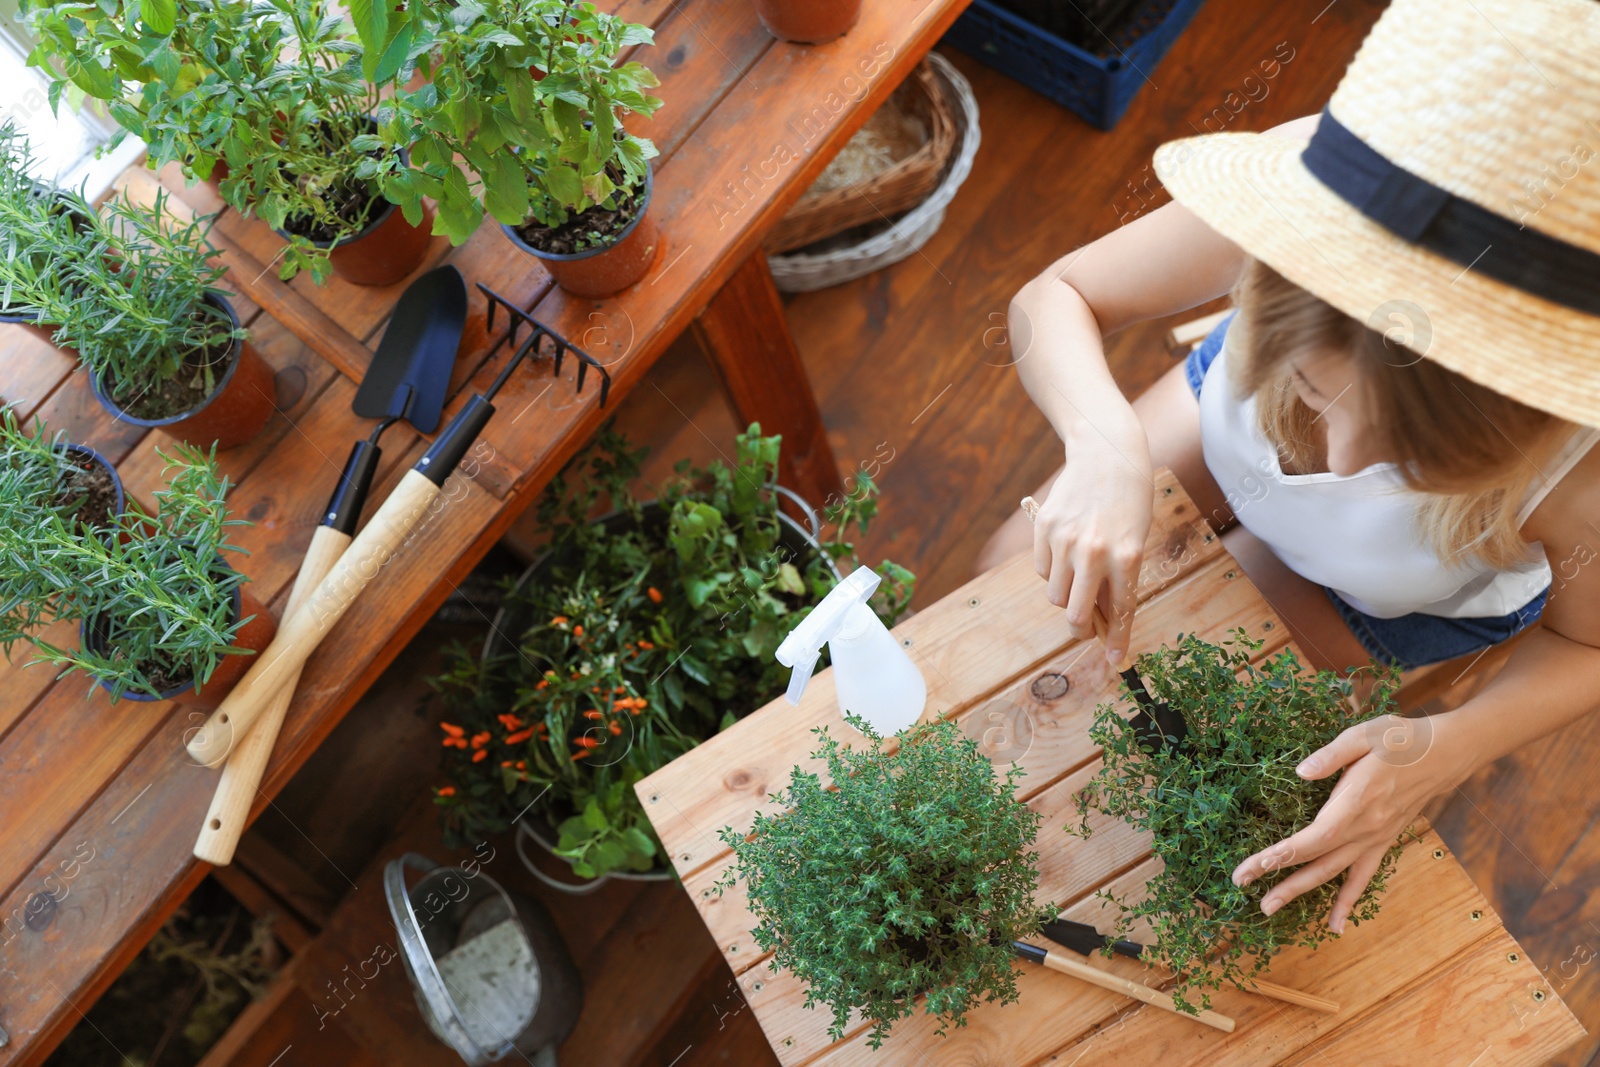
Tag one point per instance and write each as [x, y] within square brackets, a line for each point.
[872, 674]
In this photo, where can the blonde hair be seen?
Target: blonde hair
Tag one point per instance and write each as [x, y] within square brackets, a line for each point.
[1472, 452]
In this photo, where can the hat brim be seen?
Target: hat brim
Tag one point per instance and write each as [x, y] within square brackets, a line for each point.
[1254, 190]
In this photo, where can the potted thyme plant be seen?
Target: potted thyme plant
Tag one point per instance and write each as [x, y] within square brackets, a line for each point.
[528, 94]
[162, 615]
[633, 639]
[38, 224]
[1227, 793]
[135, 295]
[912, 876]
[268, 99]
[45, 480]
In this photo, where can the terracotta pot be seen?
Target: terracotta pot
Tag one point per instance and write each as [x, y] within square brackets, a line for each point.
[244, 400]
[808, 21]
[385, 252]
[255, 635]
[600, 272]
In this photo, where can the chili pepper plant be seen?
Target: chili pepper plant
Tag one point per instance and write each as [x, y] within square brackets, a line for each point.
[911, 875]
[643, 636]
[157, 592]
[1228, 792]
[530, 96]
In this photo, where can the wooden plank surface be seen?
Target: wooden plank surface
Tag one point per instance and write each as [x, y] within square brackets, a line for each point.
[1435, 938]
[79, 773]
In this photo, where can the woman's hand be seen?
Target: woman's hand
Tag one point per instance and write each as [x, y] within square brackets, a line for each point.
[1091, 530]
[1391, 768]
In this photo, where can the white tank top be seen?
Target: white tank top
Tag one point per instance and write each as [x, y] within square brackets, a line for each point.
[1357, 534]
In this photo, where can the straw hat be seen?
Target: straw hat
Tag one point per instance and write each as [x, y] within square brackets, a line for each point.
[1453, 200]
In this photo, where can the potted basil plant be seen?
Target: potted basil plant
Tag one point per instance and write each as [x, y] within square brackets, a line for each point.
[266, 99]
[910, 877]
[46, 480]
[162, 615]
[1229, 791]
[636, 636]
[529, 97]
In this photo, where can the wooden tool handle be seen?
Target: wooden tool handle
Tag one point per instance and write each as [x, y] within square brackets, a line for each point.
[1293, 996]
[1137, 990]
[1102, 627]
[300, 633]
[230, 808]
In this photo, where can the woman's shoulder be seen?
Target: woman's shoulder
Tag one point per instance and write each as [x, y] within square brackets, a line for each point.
[1567, 515]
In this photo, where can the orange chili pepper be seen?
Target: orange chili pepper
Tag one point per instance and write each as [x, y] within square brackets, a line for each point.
[449, 742]
[522, 764]
[544, 683]
[654, 594]
[616, 729]
[519, 737]
[505, 763]
[452, 729]
[582, 752]
[593, 713]
[447, 791]
[620, 689]
[587, 742]
[559, 620]
[479, 740]
[577, 631]
[480, 755]
[646, 644]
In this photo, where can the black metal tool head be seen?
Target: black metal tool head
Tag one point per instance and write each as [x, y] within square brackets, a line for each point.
[1085, 939]
[410, 373]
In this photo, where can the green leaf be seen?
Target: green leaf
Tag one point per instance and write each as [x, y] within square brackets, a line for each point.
[593, 817]
[159, 16]
[505, 192]
[394, 56]
[562, 182]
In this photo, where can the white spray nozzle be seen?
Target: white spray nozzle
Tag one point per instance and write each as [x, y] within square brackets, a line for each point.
[801, 649]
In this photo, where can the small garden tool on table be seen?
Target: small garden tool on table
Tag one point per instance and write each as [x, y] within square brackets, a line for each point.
[1085, 940]
[277, 669]
[1155, 721]
[406, 380]
[1156, 998]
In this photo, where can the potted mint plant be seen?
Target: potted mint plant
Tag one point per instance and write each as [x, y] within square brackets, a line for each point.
[637, 636]
[911, 876]
[46, 480]
[135, 295]
[162, 615]
[1229, 791]
[529, 96]
[269, 100]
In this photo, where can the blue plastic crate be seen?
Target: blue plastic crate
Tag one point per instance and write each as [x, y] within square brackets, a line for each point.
[1097, 88]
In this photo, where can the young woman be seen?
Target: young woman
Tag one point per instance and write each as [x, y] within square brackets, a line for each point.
[1394, 428]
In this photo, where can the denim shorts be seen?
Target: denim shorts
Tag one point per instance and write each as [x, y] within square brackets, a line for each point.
[1406, 641]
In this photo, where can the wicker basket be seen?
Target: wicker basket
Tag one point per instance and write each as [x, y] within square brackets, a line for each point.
[819, 215]
[845, 258]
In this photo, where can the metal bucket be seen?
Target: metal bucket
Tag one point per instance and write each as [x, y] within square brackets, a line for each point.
[490, 973]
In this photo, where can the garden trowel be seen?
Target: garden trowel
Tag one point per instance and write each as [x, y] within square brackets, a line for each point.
[1158, 725]
[407, 379]
[1086, 940]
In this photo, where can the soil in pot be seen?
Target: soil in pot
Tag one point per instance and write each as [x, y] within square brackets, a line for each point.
[88, 489]
[808, 21]
[241, 398]
[627, 238]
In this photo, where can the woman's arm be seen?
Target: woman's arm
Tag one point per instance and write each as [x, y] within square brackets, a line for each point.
[1392, 766]
[1092, 528]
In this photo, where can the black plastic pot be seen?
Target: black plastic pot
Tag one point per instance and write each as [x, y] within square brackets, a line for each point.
[245, 398]
[611, 268]
[510, 621]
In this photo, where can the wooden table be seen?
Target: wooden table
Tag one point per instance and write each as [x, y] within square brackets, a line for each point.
[98, 806]
[1436, 979]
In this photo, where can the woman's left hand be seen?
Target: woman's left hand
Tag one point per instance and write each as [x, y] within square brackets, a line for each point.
[1392, 767]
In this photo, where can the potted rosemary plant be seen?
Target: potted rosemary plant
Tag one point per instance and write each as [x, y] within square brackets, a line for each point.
[267, 99]
[162, 615]
[135, 295]
[808, 21]
[1228, 792]
[528, 94]
[38, 224]
[912, 876]
[633, 639]
[44, 481]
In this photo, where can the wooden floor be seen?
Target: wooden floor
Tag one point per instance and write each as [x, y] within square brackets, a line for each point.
[912, 360]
